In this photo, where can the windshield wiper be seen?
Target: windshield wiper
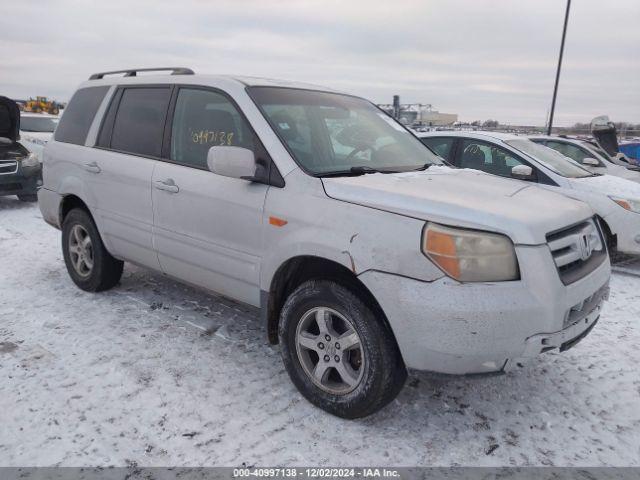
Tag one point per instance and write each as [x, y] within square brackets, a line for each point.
[356, 171]
[363, 169]
[423, 167]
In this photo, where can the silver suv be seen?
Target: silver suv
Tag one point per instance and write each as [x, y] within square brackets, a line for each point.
[366, 254]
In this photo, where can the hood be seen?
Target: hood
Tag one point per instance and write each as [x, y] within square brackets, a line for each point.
[608, 185]
[605, 134]
[9, 119]
[465, 198]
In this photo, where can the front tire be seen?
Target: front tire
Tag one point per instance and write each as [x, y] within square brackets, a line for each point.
[90, 265]
[338, 353]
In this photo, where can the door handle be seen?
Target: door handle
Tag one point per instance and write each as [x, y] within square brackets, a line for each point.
[167, 185]
[92, 167]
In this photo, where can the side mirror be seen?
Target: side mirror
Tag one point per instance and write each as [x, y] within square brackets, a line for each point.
[523, 172]
[591, 162]
[234, 162]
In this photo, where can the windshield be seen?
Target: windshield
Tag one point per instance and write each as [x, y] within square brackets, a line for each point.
[550, 158]
[328, 133]
[38, 124]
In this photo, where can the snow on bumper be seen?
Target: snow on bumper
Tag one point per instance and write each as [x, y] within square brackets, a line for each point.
[458, 328]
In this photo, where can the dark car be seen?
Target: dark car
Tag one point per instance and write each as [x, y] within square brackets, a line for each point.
[20, 170]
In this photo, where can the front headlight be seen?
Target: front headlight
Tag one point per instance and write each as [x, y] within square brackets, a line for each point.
[627, 204]
[470, 255]
[30, 160]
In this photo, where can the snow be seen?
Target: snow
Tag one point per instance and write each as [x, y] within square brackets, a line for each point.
[608, 185]
[157, 373]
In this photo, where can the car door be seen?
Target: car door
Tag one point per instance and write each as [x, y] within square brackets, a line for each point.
[207, 228]
[121, 168]
[577, 154]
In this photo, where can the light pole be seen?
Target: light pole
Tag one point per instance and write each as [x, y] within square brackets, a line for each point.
[555, 88]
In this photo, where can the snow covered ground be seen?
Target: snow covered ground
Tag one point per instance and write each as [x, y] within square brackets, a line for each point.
[156, 373]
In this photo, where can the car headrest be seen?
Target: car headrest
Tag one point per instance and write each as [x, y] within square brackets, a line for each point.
[286, 125]
[472, 157]
[219, 121]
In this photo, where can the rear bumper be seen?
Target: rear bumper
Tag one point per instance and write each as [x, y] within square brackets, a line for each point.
[49, 203]
[24, 181]
[457, 328]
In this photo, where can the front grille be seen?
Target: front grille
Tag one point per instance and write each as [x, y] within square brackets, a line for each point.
[8, 166]
[577, 250]
[583, 309]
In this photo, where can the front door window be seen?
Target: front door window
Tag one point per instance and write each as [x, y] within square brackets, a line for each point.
[489, 158]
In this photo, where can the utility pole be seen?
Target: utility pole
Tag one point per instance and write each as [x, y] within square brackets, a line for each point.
[555, 88]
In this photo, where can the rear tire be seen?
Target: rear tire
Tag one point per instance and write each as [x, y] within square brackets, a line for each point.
[90, 265]
[32, 197]
[353, 379]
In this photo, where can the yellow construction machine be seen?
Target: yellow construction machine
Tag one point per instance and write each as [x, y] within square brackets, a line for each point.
[41, 105]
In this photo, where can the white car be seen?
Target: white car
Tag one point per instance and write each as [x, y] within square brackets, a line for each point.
[589, 155]
[615, 200]
[36, 129]
[365, 254]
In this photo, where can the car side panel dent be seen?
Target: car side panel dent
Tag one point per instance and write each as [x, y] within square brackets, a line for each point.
[348, 234]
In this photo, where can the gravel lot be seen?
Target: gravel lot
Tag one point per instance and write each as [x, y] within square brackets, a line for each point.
[155, 373]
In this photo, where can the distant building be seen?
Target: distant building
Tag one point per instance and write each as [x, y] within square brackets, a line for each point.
[418, 114]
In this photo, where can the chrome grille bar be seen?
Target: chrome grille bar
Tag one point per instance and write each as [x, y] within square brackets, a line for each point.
[8, 167]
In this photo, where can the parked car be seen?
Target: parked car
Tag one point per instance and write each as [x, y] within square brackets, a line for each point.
[20, 171]
[329, 215]
[36, 129]
[589, 155]
[615, 200]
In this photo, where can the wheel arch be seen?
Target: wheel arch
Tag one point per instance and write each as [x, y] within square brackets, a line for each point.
[68, 203]
[297, 270]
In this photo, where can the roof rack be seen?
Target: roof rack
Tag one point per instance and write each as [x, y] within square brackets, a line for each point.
[134, 72]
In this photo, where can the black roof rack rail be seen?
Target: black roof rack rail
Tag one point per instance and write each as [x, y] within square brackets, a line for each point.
[132, 72]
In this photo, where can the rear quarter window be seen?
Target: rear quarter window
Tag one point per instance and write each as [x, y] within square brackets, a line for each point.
[78, 116]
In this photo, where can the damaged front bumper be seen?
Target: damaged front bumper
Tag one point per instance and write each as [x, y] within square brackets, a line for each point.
[579, 322]
[456, 328]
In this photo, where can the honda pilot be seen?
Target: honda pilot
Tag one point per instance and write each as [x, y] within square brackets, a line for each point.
[365, 253]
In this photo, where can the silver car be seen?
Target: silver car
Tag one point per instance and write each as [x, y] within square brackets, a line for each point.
[366, 255]
[590, 156]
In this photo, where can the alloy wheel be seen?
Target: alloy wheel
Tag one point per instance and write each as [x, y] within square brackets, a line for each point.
[330, 351]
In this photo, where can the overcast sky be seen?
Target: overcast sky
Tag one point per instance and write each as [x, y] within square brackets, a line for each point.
[478, 58]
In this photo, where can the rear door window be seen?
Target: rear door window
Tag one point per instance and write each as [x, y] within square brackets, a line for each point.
[441, 145]
[139, 121]
[203, 119]
[78, 116]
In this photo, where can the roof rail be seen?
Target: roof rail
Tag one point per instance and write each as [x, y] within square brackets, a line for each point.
[134, 72]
